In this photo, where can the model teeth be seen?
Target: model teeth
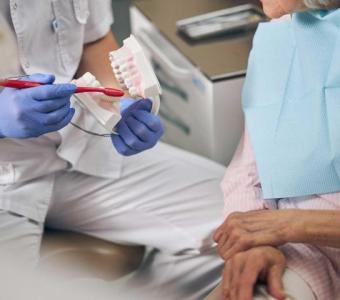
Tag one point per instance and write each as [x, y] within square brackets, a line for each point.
[115, 66]
[125, 75]
[136, 79]
[129, 83]
[123, 68]
[124, 87]
[133, 91]
[96, 83]
[119, 77]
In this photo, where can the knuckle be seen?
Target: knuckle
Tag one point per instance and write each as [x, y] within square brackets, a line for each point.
[232, 223]
[50, 119]
[154, 123]
[245, 281]
[128, 139]
[224, 255]
[141, 132]
[226, 291]
[134, 143]
[234, 216]
[235, 235]
[243, 241]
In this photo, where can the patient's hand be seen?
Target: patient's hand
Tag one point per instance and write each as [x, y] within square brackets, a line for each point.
[243, 231]
[243, 270]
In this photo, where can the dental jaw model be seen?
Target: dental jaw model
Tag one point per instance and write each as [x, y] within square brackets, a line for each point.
[135, 75]
[134, 72]
[105, 109]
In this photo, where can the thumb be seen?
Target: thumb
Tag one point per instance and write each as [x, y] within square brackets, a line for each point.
[127, 106]
[275, 282]
[144, 104]
[126, 103]
[41, 78]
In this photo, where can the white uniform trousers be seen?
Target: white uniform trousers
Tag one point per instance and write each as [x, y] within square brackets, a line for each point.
[166, 199]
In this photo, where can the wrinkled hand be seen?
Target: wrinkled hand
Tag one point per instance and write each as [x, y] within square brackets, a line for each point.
[243, 270]
[243, 231]
[139, 129]
[31, 112]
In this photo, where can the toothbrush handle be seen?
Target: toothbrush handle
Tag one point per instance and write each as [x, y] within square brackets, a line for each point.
[19, 84]
[23, 84]
[107, 91]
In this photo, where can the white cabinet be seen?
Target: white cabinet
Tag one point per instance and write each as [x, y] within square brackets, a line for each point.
[200, 115]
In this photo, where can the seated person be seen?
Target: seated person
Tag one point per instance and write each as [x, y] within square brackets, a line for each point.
[287, 160]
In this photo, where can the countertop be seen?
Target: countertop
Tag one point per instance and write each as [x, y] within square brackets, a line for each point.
[218, 58]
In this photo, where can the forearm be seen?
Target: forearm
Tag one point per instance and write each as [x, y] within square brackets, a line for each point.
[95, 59]
[317, 227]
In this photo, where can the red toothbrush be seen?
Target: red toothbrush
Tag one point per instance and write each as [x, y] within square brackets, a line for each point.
[23, 84]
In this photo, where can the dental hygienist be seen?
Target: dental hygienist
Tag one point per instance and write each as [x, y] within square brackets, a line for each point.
[53, 174]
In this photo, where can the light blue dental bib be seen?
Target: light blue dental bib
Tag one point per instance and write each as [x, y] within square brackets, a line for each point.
[291, 101]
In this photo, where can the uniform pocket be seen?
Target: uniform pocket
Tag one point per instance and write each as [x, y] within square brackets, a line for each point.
[70, 17]
[81, 10]
[7, 174]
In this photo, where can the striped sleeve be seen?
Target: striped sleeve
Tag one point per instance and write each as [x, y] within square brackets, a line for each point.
[241, 184]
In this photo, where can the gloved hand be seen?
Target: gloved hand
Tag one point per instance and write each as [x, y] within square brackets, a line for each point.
[139, 129]
[35, 111]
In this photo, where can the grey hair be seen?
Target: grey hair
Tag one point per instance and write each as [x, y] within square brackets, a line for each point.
[313, 4]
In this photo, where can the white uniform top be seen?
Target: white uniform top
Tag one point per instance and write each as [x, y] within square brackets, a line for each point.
[50, 37]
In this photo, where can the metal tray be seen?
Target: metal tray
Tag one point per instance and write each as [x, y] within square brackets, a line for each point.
[222, 22]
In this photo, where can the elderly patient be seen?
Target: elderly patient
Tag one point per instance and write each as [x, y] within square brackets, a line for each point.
[282, 199]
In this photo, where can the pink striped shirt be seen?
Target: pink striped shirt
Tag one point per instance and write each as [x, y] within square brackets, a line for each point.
[318, 266]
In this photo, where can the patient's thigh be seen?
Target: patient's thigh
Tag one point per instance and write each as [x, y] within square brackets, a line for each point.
[295, 288]
[20, 239]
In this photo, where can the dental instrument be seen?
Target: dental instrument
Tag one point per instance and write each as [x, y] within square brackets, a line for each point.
[134, 72]
[22, 84]
[222, 22]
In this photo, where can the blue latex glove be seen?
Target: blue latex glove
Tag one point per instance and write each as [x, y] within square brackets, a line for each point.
[139, 129]
[31, 112]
